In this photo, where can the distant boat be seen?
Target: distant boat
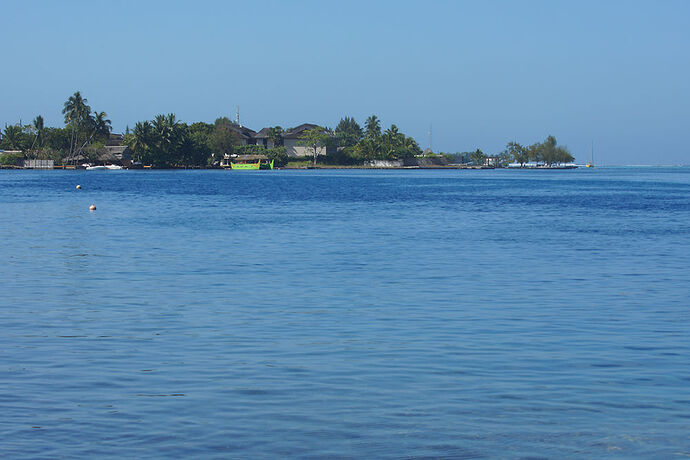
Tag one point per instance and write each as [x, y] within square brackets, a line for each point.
[102, 167]
[590, 163]
[532, 165]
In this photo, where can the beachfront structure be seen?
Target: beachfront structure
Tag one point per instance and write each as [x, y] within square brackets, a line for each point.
[291, 140]
[262, 138]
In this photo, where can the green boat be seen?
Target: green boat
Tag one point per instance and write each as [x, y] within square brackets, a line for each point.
[256, 165]
[248, 162]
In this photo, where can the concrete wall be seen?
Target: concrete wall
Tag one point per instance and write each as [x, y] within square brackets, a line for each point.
[294, 150]
[39, 164]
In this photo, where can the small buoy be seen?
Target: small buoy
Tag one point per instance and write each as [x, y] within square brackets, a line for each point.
[92, 207]
[78, 187]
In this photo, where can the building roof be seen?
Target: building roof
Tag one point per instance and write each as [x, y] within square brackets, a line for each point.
[114, 139]
[295, 133]
[115, 153]
[116, 149]
[263, 133]
[242, 131]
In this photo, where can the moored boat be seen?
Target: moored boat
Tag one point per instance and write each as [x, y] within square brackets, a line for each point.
[256, 165]
[246, 162]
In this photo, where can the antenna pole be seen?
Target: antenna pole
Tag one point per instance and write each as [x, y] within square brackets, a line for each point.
[430, 139]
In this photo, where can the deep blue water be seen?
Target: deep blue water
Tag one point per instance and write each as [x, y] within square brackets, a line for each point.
[353, 314]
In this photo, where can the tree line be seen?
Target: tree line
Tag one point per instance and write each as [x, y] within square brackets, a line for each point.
[350, 144]
[165, 141]
[372, 143]
[547, 152]
[84, 135]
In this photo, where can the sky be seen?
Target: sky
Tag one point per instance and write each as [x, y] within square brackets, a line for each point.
[479, 73]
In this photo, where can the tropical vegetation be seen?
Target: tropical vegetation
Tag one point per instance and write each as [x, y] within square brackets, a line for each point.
[165, 141]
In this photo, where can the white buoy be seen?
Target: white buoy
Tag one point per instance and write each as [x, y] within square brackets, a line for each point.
[92, 207]
[78, 187]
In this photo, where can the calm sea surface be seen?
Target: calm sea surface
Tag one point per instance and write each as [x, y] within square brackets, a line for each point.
[353, 314]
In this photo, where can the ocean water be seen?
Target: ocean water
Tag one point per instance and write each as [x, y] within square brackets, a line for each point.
[345, 314]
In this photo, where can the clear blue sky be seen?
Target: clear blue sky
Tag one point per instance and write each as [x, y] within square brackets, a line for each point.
[481, 72]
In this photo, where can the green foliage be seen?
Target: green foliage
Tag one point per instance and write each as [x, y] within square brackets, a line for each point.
[11, 159]
[94, 151]
[16, 137]
[549, 152]
[250, 149]
[84, 127]
[38, 126]
[101, 125]
[223, 137]
[76, 109]
[315, 139]
[391, 145]
[275, 134]
[196, 144]
[517, 152]
[278, 155]
[477, 157]
[57, 139]
[165, 142]
[348, 132]
[372, 127]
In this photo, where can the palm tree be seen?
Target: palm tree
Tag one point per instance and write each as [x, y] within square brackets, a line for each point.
[368, 149]
[166, 134]
[141, 137]
[372, 127]
[76, 109]
[275, 134]
[77, 115]
[101, 124]
[38, 127]
[12, 137]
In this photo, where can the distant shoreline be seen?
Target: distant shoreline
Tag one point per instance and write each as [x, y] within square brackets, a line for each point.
[359, 167]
